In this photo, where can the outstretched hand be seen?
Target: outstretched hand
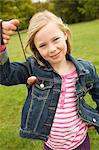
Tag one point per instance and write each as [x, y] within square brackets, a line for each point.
[8, 29]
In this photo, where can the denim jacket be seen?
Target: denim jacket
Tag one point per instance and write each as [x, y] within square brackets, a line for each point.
[42, 99]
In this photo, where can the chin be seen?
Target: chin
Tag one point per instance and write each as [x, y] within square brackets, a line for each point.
[56, 61]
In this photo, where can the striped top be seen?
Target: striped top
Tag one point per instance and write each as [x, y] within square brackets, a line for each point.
[68, 130]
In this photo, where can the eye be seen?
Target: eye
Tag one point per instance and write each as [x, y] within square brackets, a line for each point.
[57, 38]
[42, 45]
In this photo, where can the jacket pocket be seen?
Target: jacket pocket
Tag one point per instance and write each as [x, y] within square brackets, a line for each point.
[41, 89]
[39, 95]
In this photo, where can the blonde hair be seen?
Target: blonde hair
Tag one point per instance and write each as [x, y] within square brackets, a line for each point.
[38, 21]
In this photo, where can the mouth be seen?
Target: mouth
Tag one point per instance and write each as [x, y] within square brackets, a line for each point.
[55, 55]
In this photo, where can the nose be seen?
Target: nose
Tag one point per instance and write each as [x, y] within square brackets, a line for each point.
[51, 48]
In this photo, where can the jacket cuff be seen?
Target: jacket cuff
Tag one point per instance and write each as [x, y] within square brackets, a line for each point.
[2, 48]
[3, 55]
[1, 37]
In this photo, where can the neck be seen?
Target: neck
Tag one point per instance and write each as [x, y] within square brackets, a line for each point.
[64, 67]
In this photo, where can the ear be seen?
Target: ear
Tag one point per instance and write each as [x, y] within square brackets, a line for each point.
[65, 35]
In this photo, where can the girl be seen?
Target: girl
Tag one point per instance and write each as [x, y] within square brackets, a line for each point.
[54, 110]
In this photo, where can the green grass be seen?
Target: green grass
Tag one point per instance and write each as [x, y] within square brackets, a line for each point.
[85, 46]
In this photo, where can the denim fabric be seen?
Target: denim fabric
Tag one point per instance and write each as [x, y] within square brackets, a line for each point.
[42, 99]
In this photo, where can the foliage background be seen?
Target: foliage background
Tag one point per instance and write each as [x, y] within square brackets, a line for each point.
[71, 11]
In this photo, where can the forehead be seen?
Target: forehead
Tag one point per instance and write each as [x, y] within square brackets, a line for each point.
[48, 31]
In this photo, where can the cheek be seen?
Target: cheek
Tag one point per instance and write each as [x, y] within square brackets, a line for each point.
[62, 46]
[43, 53]
[65, 46]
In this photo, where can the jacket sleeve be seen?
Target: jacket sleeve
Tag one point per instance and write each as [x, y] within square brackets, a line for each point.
[94, 92]
[12, 73]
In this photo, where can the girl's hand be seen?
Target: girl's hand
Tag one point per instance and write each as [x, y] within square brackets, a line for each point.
[90, 126]
[8, 29]
[31, 80]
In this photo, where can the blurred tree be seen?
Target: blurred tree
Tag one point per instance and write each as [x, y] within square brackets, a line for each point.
[68, 10]
[73, 11]
[21, 9]
[24, 10]
[89, 9]
[7, 9]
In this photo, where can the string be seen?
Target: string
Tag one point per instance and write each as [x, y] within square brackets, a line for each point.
[21, 44]
[24, 51]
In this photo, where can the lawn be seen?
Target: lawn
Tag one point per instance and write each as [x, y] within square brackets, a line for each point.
[85, 45]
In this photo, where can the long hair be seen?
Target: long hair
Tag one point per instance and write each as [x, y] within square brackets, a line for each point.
[38, 21]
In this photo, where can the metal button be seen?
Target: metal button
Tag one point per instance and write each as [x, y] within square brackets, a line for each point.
[42, 85]
[94, 120]
[81, 97]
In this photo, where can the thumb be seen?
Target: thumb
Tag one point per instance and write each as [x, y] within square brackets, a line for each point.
[15, 22]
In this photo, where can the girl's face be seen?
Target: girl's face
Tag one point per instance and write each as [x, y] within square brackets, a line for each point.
[50, 41]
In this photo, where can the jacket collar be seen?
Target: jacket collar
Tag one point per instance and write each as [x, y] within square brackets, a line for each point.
[81, 70]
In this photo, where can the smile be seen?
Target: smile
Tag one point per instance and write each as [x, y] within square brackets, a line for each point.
[56, 55]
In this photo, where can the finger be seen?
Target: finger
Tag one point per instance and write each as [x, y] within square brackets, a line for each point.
[8, 32]
[5, 41]
[31, 80]
[10, 25]
[15, 22]
[6, 37]
[91, 127]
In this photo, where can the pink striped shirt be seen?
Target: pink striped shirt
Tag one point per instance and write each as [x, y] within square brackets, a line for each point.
[68, 130]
